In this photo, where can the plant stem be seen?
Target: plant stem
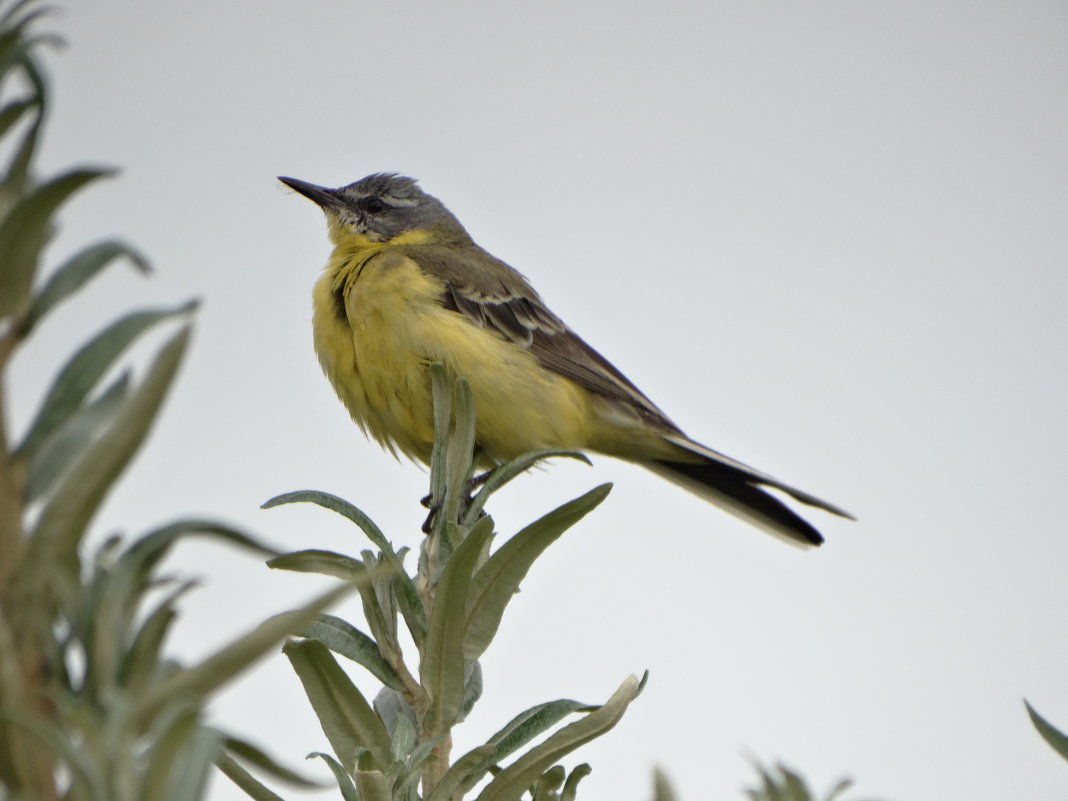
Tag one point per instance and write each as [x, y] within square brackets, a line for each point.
[437, 765]
[11, 482]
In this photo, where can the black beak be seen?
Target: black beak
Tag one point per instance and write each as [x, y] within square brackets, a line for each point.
[327, 198]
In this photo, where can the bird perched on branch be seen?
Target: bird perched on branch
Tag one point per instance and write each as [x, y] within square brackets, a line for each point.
[407, 286]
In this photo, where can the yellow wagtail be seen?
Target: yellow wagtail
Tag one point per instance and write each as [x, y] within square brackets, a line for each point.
[406, 286]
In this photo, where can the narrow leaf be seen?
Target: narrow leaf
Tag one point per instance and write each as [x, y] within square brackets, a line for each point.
[172, 740]
[412, 609]
[1056, 739]
[509, 470]
[392, 708]
[16, 27]
[65, 517]
[343, 638]
[372, 785]
[253, 787]
[348, 721]
[341, 776]
[513, 781]
[120, 596]
[548, 783]
[439, 382]
[194, 767]
[571, 785]
[423, 753]
[469, 769]
[335, 504]
[408, 601]
[793, 784]
[381, 620]
[459, 450]
[85, 368]
[840, 787]
[202, 679]
[60, 449]
[441, 666]
[146, 552]
[74, 273]
[15, 181]
[403, 738]
[84, 776]
[141, 662]
[495, 583]
[473, 687]
[464, 773]
[662, 789]
[532, 722]
[314, 560]
[13, 111]
[255, 756]
[24, 231]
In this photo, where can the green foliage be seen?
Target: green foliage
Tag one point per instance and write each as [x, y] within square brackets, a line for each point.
[398, 745]
[783, 784]
[1056, 739]
[91, 708]
[662, 789]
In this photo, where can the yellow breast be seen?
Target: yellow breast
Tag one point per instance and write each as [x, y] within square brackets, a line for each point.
[379, 324]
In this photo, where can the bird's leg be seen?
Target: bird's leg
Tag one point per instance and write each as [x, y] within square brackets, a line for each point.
[435, 509]
[475, 482]
[435, 506]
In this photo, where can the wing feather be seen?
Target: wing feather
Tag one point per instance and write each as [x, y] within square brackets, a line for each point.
[493, 295]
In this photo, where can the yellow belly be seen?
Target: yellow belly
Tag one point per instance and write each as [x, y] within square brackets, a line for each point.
[377, 360]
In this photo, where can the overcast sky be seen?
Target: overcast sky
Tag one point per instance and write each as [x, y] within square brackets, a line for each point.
[828, 239]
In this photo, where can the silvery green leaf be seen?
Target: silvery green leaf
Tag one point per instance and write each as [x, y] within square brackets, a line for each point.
[255, 756]
[662, 789]
[504, 473]
[392, 709]
[65, 516]
[61, 448]
[85, 368]
[579, 773]
[335, 504]
[25, 228]
[472, 689]
[341, 776]
[313, 560]
[74, 273]
[343, 638]
[469, 769]
[441, 664]
[1056, 739]
[253, 787]
[495, 583]
[203, 679]
[349, 722]
[512, 782]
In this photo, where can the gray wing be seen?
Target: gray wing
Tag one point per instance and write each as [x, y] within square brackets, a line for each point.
[494, 296]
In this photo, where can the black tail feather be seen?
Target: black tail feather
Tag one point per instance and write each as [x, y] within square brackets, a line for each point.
[737, 492]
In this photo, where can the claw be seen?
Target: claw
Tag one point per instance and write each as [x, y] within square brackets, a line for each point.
[470, 486]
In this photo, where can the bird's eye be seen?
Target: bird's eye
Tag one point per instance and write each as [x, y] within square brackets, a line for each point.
[375, 205]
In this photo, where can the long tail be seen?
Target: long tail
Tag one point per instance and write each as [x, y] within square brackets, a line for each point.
[738, 489]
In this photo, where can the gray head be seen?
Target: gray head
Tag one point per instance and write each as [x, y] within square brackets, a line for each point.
[381, 207]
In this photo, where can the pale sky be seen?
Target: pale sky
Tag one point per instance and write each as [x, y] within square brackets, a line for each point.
[828, 239]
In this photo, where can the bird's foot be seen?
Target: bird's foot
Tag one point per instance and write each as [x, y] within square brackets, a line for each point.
[436, 506]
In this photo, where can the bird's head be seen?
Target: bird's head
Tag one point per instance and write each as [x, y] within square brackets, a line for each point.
[384, 207]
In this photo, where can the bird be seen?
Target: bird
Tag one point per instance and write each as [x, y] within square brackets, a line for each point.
[406, 286]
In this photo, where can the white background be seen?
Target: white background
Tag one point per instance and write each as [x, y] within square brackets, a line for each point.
[828, 238]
